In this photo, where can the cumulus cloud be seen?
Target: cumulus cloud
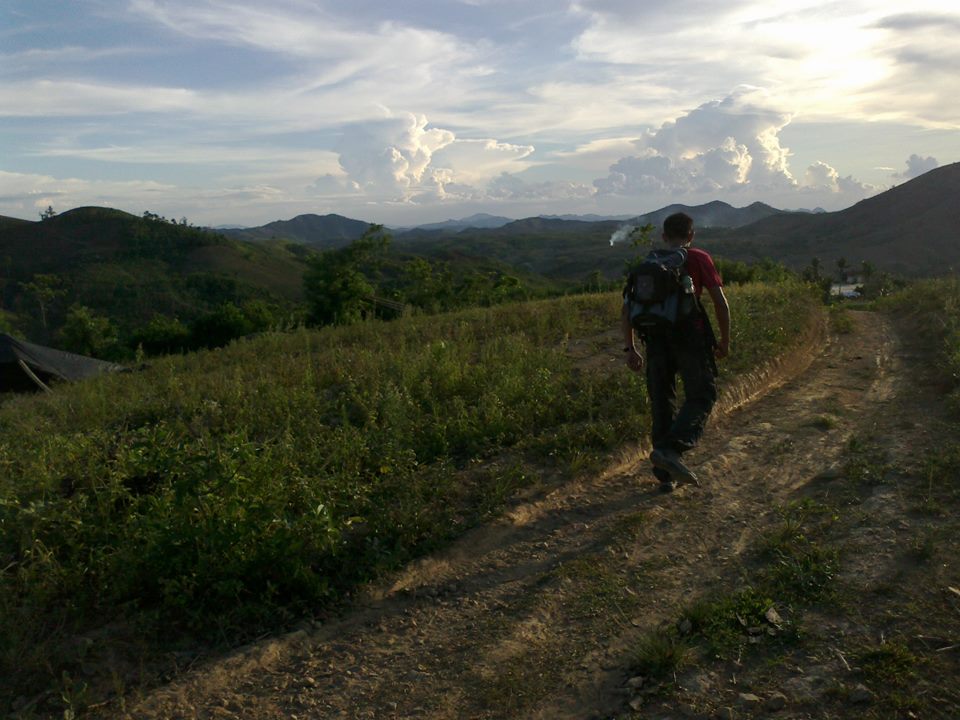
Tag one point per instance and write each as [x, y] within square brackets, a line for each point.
[916, 166]
[821, 177]
[390, 157]
[721, 145]
[403, 159]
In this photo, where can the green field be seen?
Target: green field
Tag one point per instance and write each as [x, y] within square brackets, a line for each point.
[217, 495]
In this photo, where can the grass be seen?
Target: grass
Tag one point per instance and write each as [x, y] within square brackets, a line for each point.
[840, 320]
[898, 640]
[823, 423]
[660, 655]
[932, 307]
[794, 569]
[222, 494]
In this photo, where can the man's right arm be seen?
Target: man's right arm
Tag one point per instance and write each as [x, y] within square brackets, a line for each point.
[634, 358]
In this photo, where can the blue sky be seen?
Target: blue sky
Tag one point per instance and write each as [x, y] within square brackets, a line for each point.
[242, 112]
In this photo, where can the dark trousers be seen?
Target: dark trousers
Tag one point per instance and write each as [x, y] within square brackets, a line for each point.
[689, 356]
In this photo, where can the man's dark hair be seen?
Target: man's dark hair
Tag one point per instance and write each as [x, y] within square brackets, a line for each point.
[678, 226]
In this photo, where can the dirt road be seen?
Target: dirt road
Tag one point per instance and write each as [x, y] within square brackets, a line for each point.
[538, 615]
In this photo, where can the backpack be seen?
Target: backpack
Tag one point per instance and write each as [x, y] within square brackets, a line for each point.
[659, 292]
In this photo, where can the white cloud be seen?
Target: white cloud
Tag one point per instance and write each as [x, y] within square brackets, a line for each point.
[52, 98]
[331, 53]
[25, 194]
[331, 184]
[824, 183]
[476, 161]
[843, 59]
[916, 166]
[389, 158]
[511, 188]
[725, 144]
[820, 176]
[403, 159]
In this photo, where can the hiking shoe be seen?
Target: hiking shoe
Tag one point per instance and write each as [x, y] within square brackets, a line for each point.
[670, 461]
[668, 486]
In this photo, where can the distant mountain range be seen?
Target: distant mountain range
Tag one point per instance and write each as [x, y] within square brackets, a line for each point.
[479, 220]
[318, 231]
[712, 214]
[910, 229]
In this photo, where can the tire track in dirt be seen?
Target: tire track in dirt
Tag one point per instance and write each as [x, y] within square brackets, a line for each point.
[496, 627]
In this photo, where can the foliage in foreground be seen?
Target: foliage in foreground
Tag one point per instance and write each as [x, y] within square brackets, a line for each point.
[228, 491]
[934, 308]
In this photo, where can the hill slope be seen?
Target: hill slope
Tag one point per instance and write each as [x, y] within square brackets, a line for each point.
[911, 228]
[321, 231]
[130, 268]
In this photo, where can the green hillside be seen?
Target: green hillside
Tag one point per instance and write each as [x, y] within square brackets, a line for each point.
[910, 229]
[221, 493]
[128, 269]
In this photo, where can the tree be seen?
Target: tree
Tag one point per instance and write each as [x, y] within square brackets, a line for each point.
[45, 290]
[594, 282]
[842, 269]
[163, 335]
[89, 334]
[48, 213]
[219, 327]
[811, 273]
[338, 284]
[7, 321]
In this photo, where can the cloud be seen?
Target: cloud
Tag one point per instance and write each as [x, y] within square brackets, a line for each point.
[330, 184]
[330, 49]
[509, 187]
[916, 166]
[390, 157]
[53, 98]
[821, 177]
[842, 59]
[403, 159]
[726, 144]
[478, 160]
[24, 194]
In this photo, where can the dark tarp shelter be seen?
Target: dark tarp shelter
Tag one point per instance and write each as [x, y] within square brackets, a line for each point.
[25, 366]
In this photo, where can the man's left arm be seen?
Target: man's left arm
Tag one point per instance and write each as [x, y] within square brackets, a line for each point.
[721, 309]
[634, 358]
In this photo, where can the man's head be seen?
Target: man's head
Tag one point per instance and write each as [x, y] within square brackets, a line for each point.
[678, 229]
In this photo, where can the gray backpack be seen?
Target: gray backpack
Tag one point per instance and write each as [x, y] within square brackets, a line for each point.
[659, 292]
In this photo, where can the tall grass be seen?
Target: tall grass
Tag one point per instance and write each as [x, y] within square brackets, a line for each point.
[934, 310]
[226, 492]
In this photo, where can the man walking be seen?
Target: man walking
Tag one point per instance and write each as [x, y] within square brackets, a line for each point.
[684, 347]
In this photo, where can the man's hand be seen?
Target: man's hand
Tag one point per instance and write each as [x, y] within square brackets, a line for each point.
[635, 360]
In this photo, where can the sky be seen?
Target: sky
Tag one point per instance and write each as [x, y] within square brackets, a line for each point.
[242, 112]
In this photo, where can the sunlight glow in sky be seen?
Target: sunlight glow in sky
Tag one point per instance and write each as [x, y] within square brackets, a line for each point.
[245, 112]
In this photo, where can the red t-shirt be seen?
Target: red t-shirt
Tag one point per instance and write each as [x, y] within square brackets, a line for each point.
[702, 270]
